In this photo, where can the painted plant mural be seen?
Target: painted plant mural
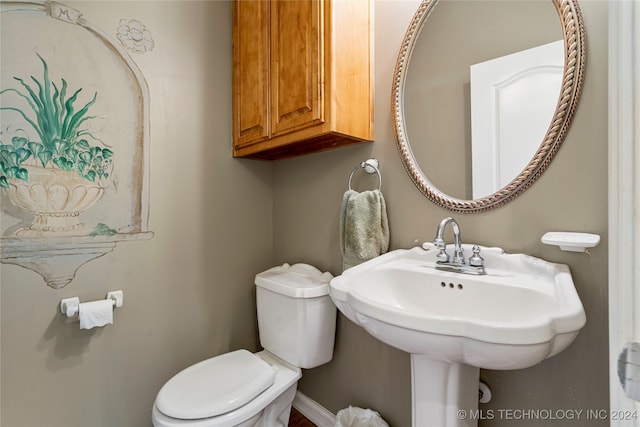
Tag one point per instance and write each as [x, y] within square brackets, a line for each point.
[50, 167]
[74, 149]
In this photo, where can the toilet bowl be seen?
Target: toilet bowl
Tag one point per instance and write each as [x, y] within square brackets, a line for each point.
[296, 321]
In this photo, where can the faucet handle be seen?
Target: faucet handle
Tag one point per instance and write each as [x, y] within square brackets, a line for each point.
[476, 260]
[442, 256]
[439, 243]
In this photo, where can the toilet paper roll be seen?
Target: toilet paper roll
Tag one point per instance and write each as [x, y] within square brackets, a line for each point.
[96, 313]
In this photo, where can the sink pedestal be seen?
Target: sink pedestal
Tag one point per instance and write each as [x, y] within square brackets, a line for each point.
[443, 394]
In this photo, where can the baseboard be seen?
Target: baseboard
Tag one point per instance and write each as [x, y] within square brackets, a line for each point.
[315, 412]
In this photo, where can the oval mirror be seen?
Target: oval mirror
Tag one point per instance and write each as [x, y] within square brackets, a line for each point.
[483, 96]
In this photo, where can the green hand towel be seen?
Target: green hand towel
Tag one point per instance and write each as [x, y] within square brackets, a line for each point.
[364, 229]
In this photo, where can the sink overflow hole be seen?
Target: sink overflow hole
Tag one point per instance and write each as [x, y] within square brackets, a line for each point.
[451, 285]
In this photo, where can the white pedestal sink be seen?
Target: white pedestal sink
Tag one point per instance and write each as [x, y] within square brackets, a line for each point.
[522, 311]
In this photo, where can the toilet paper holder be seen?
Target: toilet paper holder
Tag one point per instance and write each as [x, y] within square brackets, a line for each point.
[71, 306]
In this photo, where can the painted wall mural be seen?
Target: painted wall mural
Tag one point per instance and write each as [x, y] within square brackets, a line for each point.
[74, 125]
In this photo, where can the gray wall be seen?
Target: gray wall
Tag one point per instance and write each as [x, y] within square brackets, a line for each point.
[571, 195]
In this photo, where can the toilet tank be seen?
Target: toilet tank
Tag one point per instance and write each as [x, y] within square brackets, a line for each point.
[296, 317]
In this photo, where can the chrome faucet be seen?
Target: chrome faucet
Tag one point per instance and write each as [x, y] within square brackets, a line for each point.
[443, 256]
[458, 263]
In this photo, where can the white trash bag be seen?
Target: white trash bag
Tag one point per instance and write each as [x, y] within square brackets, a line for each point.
[358, 417]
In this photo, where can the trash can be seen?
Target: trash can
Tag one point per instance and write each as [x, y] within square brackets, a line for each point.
[358, 417]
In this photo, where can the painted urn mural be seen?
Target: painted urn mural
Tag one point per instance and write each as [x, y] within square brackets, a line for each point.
[73, 141]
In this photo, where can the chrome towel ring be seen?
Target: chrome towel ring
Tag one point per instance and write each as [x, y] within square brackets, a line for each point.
[370, 166]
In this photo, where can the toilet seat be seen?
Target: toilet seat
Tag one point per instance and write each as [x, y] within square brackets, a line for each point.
[215, 386]
[286, 377]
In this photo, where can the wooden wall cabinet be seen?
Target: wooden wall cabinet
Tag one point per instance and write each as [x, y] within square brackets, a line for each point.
[302, 76]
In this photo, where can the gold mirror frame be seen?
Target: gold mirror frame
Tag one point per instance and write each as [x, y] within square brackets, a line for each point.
[573, 75]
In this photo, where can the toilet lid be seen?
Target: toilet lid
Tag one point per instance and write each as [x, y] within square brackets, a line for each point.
[215, 386]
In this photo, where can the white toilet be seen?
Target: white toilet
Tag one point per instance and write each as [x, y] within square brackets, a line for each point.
[296, 320]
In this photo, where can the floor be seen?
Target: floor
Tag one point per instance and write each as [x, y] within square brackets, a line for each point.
[298, 420]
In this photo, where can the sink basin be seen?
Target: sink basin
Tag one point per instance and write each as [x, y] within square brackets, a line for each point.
[523, 310]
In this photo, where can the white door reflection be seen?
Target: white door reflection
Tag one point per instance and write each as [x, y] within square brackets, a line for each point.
[513, 99]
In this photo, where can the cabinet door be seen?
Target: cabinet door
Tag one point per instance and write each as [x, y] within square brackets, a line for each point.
[297, 52]
[251, 71]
